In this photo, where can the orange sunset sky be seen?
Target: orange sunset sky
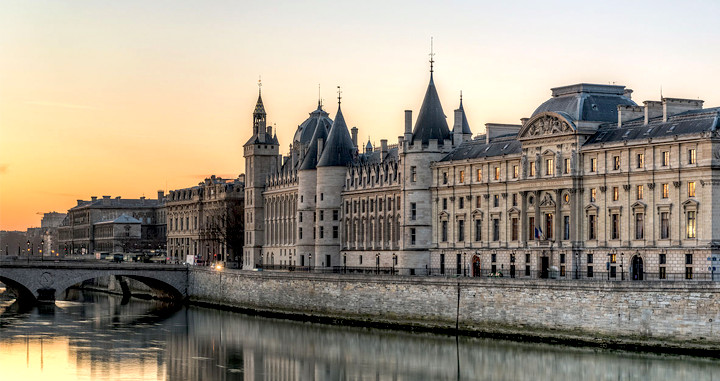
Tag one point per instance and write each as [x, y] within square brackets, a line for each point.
[124, 98]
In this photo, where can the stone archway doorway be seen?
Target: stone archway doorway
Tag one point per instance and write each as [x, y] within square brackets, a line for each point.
[637, 268]
[475, 265]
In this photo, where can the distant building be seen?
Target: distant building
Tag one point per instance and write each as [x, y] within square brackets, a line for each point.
[207, 221]
[49, 225]
[111, 224]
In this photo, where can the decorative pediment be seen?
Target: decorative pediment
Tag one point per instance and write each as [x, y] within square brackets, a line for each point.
[444, 214]
[638, 206]
[513, 211]
[690, 204]
[592, 208]
[477, 213]
[547, 124]
[547, 201]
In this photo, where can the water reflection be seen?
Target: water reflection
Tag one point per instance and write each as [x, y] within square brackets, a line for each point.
[95, 336]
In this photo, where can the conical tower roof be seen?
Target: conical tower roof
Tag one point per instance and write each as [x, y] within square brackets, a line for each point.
[431, 122]
[259, 107]
[311, 156]
[465, 126]
[339, 149]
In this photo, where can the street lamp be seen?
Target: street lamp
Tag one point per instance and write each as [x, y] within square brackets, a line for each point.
[28, 251]
[377, 263]
[464, 264]
[42, 246]
[393, 263]
[622, 262]
[310, 262]
[577, 265]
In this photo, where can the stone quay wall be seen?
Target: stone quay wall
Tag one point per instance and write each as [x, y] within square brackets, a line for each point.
[660, 315]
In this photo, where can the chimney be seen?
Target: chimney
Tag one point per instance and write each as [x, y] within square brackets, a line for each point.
[106, 197]
[321, 145]
[80, 201]
[383, 149]
[457, 128]
[408, 125]
[628, 93]
[354, 132]
[242, 178]
[269, 131]
[93, 198]
[628, 112]
[161, 194]
[672, 106]
[652, 109]
[117, 198]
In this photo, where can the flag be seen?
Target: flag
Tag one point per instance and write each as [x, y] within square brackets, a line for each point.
[538, 233]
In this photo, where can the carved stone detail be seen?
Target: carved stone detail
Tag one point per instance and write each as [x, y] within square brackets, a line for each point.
[651, 186]
[626, 187]
[548, 125]
[676, 184]
[603, 188]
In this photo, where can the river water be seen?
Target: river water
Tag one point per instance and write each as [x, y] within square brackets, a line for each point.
[102, 337]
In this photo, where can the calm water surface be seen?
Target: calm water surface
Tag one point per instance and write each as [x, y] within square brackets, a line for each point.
[101, 337]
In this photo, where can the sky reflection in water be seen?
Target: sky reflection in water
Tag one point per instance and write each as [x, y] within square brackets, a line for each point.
[97, 337]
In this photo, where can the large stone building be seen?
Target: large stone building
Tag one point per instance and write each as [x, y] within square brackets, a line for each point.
[109, 225]
[590, 185]
[206, 221]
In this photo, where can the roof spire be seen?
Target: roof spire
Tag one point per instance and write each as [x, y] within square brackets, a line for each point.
[432, 54]
[259, 85]
[460, 98]
[319, 98]
[339, 95]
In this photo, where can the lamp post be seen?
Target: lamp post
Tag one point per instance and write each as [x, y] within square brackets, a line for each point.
[28, 251]
[577, 265]
[622, 262]
[377, 263]
[207, 253]
[42, 246]
[310, 262]
[393, 264]
[465, 264]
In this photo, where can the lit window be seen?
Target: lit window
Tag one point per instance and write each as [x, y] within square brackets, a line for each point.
[516, 171]
[665, 158]
[549, 163]
[691, 224]
[497, 173]
[532, 168]
[691, 189]
[665, 191]
[593, 165]
[640, 160]
[445, 178]
[616, 193]
[692, 156]
[478, 173]
[593, 195]
[462, 176]
[639, 192]
[616, 162]
[567, 166]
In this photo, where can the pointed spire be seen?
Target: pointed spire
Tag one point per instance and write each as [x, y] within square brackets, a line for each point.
[339, 148]
[465, 126]
[432, 54]
[311, 156]
[431, 123]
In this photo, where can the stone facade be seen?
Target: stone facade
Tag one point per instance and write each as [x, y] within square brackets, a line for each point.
[206, 221]
[77, 234]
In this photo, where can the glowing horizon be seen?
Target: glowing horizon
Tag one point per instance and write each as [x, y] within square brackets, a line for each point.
[124, 99]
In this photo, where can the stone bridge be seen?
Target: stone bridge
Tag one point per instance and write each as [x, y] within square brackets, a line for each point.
[46, 281]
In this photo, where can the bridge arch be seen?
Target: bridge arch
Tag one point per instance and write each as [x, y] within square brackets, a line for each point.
[22, 292]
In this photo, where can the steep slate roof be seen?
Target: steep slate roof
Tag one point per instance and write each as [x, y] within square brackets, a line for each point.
[478, 148]
[465, 126]
[114, 203]
[259, 106]
[305, 130]
[310, 161]
[688, 122]
[431, 123]
[374, 157]
[123, 219]
[585, 101]
[339, 149]
[255, 139]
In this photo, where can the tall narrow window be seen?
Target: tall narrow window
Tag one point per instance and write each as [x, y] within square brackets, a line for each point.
[445, 177]
[478, 174]
[640, 160]
[639, 226]
[615, 226]
[413, 173]
[639, 192]
[444, 203]
[566, 227]
[593, 195]
[616, 193]
[514, 229]
[665, 191]
[665, 158]
[461, 202]
[496, 200]
[462, 177]
[478, 230]
[664, 225]
[691, 227]
[549, 226]
[549, 167]
[444, 231]
[531, 228]
[516, 171]
[496, 229]
[593, 165]
[616, 162]
[477, 202]
[461, 230]
[691, 189]
[497, 173]
[413, 211]
[692, 156]
[532, 168]
[566, 168]
[412, 236]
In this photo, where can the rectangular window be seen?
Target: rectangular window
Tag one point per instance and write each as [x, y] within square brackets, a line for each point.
[640, 192]
[462, 177]
[691, 189]
[497, 173]
[549, 226]
[461, 202]
[639, 226]
[444, 231]
[445, 177]
[336, 214]
[593, 195]
[300, 216]
[566, 227]
[412, 236]
[566, 168]
[615, 226]
[688, 273]
[593, 165]
[458, 264]
[664, 225]
[662, 274]
[478, 230]
[616, 193]
[413, 174]
[322, 214]
[413, 211]
[616, 162]
[493, 258]
[688, 259]
[299, 233]
[589, 258]
[527, 258]
[514, 229]
[335, 231]
[444, 203]
[527, 270]
[549, 167]
[477, 202]
[322, 231]
[665, 158]
[562, 258]
[496, 200]
[531, 228]
[496, 229]
[516, 171]
[640, 160]
[478, 174]
[662, 260]
[691, 228]
[665, 191]
[589, 271]
[692, 156]
[532, 168]
[514, 199]
[461, 231]
[442, 264]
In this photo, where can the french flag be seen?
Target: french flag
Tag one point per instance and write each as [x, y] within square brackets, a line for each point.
[538, 233]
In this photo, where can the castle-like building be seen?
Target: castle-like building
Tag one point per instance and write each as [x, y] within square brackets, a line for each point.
[591, 185]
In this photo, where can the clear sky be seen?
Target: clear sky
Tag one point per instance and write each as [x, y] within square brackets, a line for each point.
[124, 98]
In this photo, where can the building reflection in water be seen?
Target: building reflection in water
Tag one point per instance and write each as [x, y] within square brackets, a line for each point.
[101, 338]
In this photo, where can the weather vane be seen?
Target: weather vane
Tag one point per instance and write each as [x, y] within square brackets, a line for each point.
[431, 55]
[260, 84]
[339, 95]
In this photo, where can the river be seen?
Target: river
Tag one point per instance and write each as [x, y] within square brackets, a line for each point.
[96, 336]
